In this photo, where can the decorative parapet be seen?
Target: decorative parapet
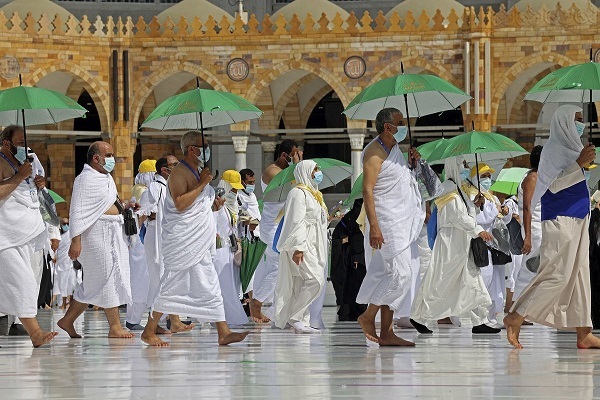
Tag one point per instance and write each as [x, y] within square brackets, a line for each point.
[457, 20]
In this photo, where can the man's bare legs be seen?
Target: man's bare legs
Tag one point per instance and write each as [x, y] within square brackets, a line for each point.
[367, 322]
[177, 325]
[38, 336]
[67, 322]
[585, 339]
[149, 335]
[513, 322]
[509, 301]
[114, 321]
[226, 336]
[256, 312]
[387, 337]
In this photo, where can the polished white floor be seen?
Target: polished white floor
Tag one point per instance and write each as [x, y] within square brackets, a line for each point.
[274, 364]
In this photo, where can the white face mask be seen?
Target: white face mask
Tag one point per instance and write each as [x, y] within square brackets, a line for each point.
[580, 126]
[249, 189]
[109, 164]
[231, 200]
[201, 156]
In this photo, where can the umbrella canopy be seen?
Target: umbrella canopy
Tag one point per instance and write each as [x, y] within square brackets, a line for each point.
[41, 106]
[252, 252]
[199, 109]
[568, 85]
[355, 192]
[334, 171]
[508, 180]
[487, 146]
[426, 149]
[425, 94]
[56, 197]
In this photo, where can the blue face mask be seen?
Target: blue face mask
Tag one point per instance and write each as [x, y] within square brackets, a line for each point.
[20, 154]
[465, 173]
[485, 183]
[580, 126]
[249, 189]
[109, 164]
[65, 228]
[318, 178]
[400, 135]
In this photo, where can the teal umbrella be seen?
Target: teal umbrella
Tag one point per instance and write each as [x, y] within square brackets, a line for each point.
[334, 171]
[508, 180]
[56, 197]
[252, 252]
[201, 108]
[27, 106]
[415, 95]
[426, 149]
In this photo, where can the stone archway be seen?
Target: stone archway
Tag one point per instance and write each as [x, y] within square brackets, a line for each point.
[310, 106]
[144, 91]
[503, 83]
[90, 84]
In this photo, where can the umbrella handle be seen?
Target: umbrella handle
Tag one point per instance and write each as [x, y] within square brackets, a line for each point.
[216, 175]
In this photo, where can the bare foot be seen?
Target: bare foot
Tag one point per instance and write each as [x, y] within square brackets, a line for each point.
[368, 328]
[589, 342]
[162, 331]
[513, 322]
[256, 312]
[41, 337]
[180, 327]
[153, 340]
[232, 337]
[445, 321]
[119, 333]
[69, 328]
[390, 339]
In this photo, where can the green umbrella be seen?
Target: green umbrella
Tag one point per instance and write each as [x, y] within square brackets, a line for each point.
[56, 197]
[508, 180]
[252, 252]
[27, 106]
[486, 145]
[334, 171]
[578, 83]
[199, 109]
[417, 94]
[426, 149]
[355, 192]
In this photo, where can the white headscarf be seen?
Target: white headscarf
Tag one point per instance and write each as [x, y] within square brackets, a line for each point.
[144, 178]
[303, 174]
[561, 150]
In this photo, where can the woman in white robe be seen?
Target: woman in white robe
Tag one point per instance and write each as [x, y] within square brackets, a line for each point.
[303, 251]
[453, 285]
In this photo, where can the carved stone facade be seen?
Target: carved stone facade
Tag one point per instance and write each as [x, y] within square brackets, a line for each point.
[496, 56]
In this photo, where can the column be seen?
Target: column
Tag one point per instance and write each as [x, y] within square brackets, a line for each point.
[268, 149]
[357, 140]
[240, 143]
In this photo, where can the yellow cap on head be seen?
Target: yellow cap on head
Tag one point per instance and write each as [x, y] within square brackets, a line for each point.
[147, 166]
[483, 168]
[234, 178]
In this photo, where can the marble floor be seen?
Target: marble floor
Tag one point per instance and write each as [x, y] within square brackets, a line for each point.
[274, 364]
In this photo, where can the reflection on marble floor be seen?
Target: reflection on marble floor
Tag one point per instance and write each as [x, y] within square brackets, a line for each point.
[274, 364]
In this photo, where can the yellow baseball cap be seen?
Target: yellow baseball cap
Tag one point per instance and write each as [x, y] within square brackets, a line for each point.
[147, 166]
[483, 168]
[233, 178]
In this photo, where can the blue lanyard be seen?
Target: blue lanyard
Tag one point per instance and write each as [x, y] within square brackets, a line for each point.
[191, 169]
[388, 151]
[12, 165]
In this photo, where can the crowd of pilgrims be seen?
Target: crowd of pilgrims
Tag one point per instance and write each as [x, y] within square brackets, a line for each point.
[394, 260]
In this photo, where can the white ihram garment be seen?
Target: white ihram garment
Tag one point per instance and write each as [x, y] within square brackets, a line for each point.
[104, 254]
[66, 277]
[22, 232]
[265, 276]
[190, 284]
[400, 217]
[154, 200]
